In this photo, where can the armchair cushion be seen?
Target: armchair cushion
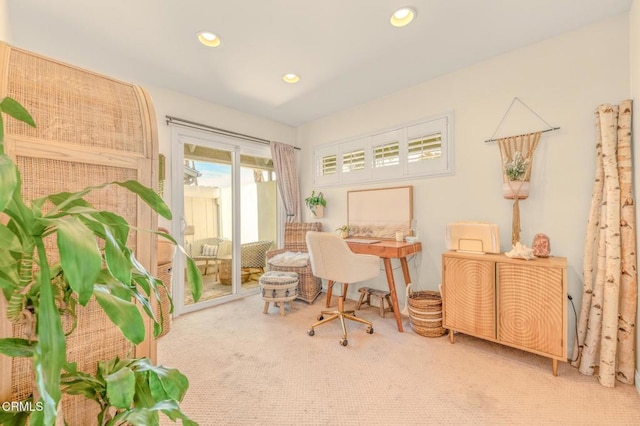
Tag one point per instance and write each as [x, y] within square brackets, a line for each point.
[289, 258]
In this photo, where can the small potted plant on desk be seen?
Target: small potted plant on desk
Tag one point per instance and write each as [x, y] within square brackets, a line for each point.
[343, 231]
[316, 203]
[515, 171]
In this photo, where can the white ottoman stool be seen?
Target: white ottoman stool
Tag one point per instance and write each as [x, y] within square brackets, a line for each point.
[278, 287]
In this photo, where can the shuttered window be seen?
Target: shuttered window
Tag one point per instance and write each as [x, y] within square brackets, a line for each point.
[352, 161]
[415, 150]
[425, 148]
[329, 165]
[386, 155]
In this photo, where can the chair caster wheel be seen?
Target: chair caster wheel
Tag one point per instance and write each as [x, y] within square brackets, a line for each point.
[344, 342]
[311, 332]
[320, 317]
[370, 330]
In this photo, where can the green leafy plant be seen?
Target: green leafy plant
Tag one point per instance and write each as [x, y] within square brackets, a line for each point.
[94, 263]
[313, 201]
[517, 167]
[120, 385]
[343, 231]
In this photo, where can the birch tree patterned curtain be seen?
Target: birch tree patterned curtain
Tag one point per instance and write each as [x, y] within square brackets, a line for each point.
[606, 330]
[284, 161]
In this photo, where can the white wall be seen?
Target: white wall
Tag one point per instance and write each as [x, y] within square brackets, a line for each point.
[5, 28]
[563, 79]
[634, 53]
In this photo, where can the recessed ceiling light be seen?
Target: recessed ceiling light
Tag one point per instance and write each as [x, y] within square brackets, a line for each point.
[403, 16]
[209, 39]
[291, 78]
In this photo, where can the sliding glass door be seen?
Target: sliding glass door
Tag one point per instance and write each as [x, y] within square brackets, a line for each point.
[225, 205]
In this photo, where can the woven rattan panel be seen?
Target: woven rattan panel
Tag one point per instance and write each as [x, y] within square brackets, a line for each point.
[91, 129]
[74, 106]
[295, 234]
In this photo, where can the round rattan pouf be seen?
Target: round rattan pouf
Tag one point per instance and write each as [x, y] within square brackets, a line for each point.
[278, 287]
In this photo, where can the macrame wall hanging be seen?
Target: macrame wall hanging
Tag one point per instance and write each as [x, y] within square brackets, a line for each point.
[516, 154]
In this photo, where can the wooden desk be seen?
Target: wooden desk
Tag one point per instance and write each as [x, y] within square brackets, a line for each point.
[387, 250]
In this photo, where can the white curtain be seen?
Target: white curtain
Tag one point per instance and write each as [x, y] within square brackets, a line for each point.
[284, 161]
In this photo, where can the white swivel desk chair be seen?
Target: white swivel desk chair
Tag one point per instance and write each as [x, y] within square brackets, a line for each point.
[332, 259]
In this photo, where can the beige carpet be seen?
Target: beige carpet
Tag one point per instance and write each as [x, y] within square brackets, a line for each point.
[246, 368]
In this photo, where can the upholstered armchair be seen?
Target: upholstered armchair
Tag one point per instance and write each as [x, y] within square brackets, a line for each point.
[309, 286]
[252, 256]
[207, 249]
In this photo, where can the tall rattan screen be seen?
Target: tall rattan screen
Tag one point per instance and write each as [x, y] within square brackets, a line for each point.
[91, 129]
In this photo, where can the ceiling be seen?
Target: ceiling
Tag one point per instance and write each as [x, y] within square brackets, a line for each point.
[345, 51]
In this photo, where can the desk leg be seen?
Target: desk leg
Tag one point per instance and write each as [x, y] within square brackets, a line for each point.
[392, 290]
[405, 270]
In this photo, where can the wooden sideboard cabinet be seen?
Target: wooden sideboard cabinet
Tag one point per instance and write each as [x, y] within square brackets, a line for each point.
[515, 302]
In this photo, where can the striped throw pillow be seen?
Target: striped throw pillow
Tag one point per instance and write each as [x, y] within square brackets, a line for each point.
[209, 250]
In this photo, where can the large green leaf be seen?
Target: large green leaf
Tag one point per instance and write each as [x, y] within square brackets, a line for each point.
[149, 196]
[121, 387]
[193, 273]
[14, 418]
[9, 276]
[9, 239]
[8, 180]
[116, 288]
[15, 347]
[147, 416]
[122, 313]
[75, 382]
[195, 279]
[143, 397]
[144, 301]
[148, 282]
[174, 384]
[79, 256]
[17, 111]
[136, 417]
[164, 389]
[50, 351]
[118, 225]
[7, 259]
[65, 200]
[109, 366]
[80, 387]
[172, 410]
[115, 258]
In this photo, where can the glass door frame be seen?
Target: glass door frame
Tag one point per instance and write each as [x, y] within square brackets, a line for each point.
[236, 146]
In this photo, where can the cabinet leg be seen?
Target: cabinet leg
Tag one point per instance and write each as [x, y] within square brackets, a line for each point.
[450, 336]
[554, 367]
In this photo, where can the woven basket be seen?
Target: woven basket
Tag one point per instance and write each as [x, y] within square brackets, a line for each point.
[425, 313]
